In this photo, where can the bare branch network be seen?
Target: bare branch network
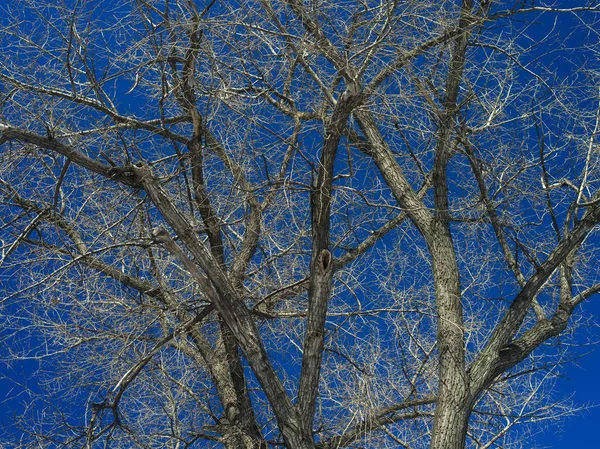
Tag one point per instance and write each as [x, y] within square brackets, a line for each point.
[293, 224]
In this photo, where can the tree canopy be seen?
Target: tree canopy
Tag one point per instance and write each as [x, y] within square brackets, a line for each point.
[301, 224]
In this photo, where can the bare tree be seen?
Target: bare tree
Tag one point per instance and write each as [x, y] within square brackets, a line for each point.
[295, 224]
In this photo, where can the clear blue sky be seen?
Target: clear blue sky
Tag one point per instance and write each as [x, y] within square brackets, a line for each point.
[580, 381]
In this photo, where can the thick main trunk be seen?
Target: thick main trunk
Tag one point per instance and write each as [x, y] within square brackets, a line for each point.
[454, 395]
[451, 424]
[454, 399]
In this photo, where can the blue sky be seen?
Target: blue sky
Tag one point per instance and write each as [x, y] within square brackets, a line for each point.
[580, 381]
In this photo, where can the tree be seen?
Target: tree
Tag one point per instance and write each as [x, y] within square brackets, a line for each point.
[295, 224]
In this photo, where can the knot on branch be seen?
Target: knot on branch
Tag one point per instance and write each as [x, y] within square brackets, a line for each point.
[325, 260]
[141, 171]
[353, 95]
[161, 235]
[509, 353]
[125, 172]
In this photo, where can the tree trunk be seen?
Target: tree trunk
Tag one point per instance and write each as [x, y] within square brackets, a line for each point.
[454, 399]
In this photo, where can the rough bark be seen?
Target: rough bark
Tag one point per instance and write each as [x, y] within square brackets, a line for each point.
[231, 308]
[321, 273]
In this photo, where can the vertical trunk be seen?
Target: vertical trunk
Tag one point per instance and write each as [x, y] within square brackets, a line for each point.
[454, 395]
[454, 400]
[238, 426]
[242, 415]
[451, 425]
[321, 265]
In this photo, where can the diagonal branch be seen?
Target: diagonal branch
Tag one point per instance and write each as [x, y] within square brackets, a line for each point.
[491, 211]
[381, 417]
[483, 368]
[375, 146]
[12, 133]
[231, 308]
